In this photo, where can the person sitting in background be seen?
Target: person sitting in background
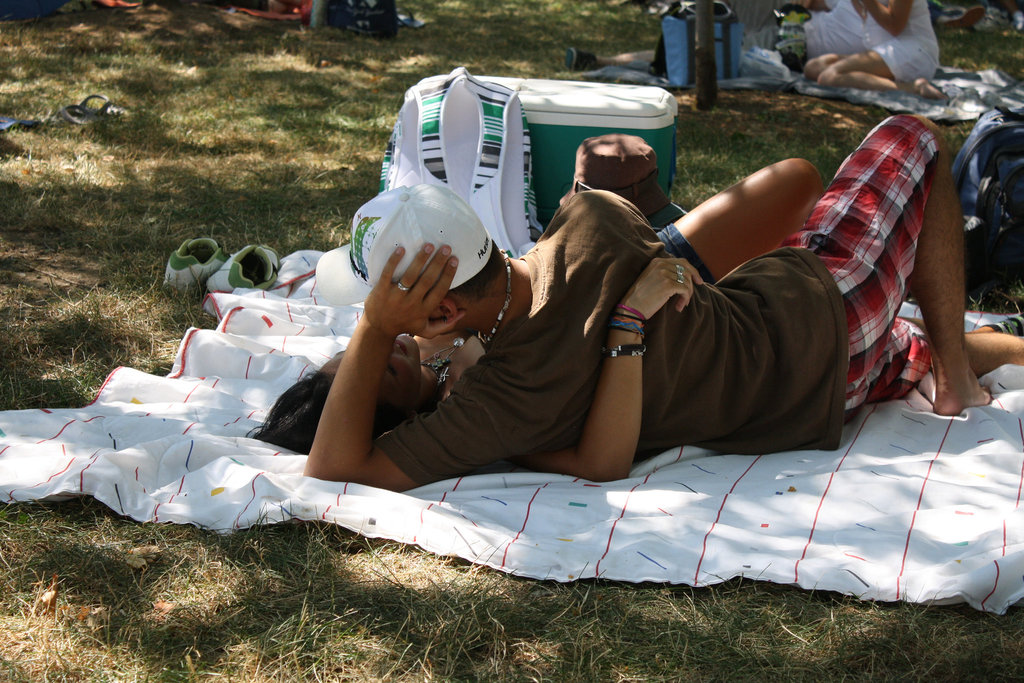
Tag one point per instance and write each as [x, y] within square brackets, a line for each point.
[872, 45]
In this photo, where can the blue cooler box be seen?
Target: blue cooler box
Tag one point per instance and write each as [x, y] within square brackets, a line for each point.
[562, 114]
[680, 39]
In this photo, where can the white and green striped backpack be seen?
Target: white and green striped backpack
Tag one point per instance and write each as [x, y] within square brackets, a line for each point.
[470, 135]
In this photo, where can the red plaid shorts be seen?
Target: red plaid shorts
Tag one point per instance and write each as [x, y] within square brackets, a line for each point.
[865, 228]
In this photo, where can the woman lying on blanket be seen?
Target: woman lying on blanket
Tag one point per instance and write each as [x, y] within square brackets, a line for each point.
[747, 219]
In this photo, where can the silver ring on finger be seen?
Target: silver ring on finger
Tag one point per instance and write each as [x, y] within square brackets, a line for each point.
[679, 274]
[402, 287]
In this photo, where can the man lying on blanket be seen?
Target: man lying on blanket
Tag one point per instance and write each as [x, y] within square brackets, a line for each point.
[774, 357]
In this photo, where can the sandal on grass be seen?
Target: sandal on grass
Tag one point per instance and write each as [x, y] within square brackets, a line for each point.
[8, 122]
[81, 113]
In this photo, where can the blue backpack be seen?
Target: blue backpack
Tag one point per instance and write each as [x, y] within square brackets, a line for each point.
[989, 176]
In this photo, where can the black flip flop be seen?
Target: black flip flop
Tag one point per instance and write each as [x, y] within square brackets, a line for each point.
[81, 113]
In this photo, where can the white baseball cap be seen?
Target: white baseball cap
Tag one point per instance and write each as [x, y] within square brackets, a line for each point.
[408, 217]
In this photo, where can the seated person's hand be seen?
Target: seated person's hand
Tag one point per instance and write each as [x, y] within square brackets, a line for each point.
[661, 280]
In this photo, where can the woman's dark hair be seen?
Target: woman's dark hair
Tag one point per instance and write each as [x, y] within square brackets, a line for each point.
[293, 419]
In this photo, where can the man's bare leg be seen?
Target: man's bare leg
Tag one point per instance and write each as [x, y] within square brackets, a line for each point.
[988, 349]
[938, 285]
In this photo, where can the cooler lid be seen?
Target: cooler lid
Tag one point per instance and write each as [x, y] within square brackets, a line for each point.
[550, 101]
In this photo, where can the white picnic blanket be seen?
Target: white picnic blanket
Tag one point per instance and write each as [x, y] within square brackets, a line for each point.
[911, 507]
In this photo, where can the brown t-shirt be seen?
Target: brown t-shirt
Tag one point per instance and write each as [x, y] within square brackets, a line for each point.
[754, 364]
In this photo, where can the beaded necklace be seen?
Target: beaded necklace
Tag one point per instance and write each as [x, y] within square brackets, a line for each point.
[488, 338]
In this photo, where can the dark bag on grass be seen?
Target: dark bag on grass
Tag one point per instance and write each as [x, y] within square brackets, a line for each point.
[989, 176]
[377, 18]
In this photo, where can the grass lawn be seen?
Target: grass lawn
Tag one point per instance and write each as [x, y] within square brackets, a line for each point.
[259, 131]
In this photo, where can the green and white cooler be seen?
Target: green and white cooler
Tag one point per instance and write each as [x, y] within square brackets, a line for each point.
[562, 114]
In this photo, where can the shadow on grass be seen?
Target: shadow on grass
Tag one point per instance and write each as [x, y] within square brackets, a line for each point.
[313, 599]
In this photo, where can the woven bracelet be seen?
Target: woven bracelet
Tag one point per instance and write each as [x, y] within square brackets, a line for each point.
[632, 311]
[628, 325]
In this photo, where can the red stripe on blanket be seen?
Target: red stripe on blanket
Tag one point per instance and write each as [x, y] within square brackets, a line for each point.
[66, 425]
[104, 385]
[81, 475]
[821, 501]
[10, 494]
[189, 395]
[253, 485]
[222, 326]
[1020, 482]
[1020, 485]
[504, 556]
[184, 351]
[213, 302]
[704, 546]
[622, 512]
[284, 283]
[920, 497]
[994, 584]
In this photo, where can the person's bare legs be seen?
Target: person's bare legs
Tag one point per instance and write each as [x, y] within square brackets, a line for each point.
[753, 216]
[938, 285]
[626, 58]
[866, 71]
[987, 349]
[814, 67]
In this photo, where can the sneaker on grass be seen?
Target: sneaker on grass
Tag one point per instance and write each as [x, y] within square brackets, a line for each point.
[254, 267]
[961, 17]
[1013, 325]
[579, 60]
[191, 264]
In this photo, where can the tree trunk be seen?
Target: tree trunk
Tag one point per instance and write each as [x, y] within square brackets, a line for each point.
[704, 57]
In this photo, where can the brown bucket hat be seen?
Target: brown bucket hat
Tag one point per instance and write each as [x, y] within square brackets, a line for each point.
[623, 164]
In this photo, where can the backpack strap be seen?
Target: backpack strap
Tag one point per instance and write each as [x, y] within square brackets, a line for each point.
[472, 136]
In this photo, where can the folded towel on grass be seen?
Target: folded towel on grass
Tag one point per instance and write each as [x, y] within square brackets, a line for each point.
[912, 506]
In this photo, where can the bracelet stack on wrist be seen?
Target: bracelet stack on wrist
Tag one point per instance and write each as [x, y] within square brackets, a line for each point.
[631, 320]
[627, 318]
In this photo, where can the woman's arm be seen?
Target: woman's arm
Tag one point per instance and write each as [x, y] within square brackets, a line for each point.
[893, 18]
[612, 428]
[343, 447]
